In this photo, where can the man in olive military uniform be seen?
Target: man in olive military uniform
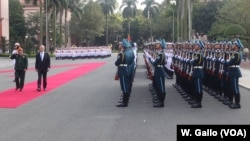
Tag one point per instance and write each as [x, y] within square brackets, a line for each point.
[21, 66]
[234, 73]
[123, 73]
[197, 74]
[159, 75]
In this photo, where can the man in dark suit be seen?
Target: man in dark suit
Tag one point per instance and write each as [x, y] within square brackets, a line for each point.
[42, 66]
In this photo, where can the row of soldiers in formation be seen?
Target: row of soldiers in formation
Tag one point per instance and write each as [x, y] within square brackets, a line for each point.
[82, 52]
[214, 66]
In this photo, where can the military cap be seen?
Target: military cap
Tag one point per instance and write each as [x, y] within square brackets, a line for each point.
[17, 44]
[163, 43]
[201, 44]
[238, 43]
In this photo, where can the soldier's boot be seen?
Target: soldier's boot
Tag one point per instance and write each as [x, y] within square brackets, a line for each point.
[198, 103]
[156, 97]
[128, 97]
[236, 105]
[159, 103]
[163, 98]
[124, 102]
[230, 99]
[121, 99]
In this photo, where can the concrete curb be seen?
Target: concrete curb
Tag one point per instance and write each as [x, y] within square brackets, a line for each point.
[244, 86]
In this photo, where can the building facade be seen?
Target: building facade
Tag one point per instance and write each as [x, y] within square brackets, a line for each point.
[4, 19]
[29, 8]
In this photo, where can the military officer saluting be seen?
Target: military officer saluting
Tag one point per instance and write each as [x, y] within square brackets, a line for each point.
[234, 73]
[21, 66]
[123, 72]
[197, 74]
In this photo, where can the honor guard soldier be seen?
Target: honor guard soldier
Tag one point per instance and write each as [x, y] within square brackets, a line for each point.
[21, 66]
[131, 64]
[159, 75]
[197, 74]
[123, 73]
[168, 61]
[225, 78]
[234, 73]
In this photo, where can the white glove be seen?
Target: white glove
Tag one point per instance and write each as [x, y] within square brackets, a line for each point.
[147, 54]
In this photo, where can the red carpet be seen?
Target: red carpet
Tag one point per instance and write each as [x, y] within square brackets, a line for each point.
[12, 99]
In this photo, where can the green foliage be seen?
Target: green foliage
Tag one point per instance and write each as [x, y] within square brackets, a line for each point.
[108, 6]
[204, 15]
[115, 26]
[129, 8]
[152, 8]
[232, 12]
[235, 29]
[17, 23]
[90, 26]
[3, 44]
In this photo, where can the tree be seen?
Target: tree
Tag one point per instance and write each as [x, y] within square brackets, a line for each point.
[3, 44]
[232, 12]
[204, 15]
[33, 29]
[108, 7]
[150, 11]
[90, 26]
[35, 2]
[74, 7]
[17, 23]
[235, 30]
[129, 10]
[115, 27]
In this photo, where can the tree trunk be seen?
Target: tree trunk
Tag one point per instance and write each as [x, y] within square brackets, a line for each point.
[107, 29]
[54, 28]
[60, 31]
[66, 27]
[41, 24]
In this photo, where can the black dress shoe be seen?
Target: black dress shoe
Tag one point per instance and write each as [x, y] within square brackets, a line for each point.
[196, 105]
[38, 89]
[16, 89]
[44, 89]
[21, 89]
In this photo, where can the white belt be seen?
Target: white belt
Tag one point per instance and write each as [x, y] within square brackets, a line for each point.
[234, 66]
[159, 66]
[197, 67]
[124, 65]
